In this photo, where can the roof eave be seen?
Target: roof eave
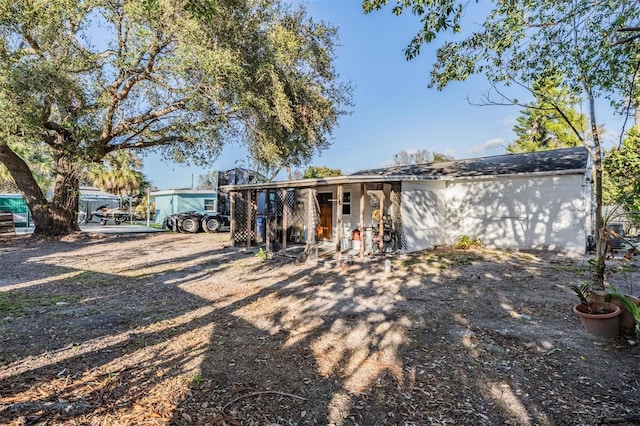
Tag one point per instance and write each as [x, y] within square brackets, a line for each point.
[351, 179]
[524, 174]
[311, 183]
[183, 191]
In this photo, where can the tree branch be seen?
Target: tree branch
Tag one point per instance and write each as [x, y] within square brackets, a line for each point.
[67, 136]
[127, 124]
[33, 44]
[129, 78]
[22, 176]
[627, 39]
[551, 102]
[142, 144]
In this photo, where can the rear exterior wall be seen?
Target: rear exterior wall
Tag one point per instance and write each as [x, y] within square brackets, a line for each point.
[543, 213]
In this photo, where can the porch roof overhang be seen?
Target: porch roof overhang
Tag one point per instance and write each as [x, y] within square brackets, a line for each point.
[311, 183]
[187, 191]
[357, 179]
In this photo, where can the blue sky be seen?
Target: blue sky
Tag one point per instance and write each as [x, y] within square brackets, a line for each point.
[393, 108]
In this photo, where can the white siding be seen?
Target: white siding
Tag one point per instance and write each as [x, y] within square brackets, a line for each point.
[550, 212]
[520, 213]
[423, 211]
[350, 222]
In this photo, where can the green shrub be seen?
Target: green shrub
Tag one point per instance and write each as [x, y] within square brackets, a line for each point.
[262, 254]
[465, 242]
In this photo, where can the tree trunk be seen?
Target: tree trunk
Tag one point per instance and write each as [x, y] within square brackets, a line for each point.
[27, 185]
[601, 242]
[52, 219]
[66, 195]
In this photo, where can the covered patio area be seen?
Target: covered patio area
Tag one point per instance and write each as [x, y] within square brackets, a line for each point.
[345, 215]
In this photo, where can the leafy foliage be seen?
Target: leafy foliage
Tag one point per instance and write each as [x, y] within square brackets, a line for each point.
[262, 254]
[208, 181]
[549, 122]
[437, 16]
[120, 173]
[465, 242]
[320, 172]
[582, 292]
[40, 162]
[420, 156]
[84, 79]
[144, 203]
[622, 180]
[629, 305]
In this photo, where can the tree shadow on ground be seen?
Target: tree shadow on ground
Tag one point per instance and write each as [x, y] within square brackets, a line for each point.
[445, 343]
[207, 334]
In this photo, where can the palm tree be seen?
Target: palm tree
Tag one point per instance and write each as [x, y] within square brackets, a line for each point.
[119, 174]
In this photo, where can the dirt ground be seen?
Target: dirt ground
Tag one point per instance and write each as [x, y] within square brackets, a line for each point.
[178, 329]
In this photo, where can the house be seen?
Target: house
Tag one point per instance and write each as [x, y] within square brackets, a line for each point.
[539, 200]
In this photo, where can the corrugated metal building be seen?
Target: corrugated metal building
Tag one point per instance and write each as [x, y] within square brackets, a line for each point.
[90, 200]
[18, 206]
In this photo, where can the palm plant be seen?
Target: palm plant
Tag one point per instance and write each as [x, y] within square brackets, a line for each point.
[119, 174]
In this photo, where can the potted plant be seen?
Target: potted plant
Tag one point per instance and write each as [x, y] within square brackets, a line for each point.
[600, 318]
[630, 308]
[630, 316]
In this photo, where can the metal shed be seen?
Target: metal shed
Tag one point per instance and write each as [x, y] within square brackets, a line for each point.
[16, 204]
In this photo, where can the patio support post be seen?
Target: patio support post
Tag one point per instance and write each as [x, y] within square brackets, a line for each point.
[285, 219]
[249, 204]
[267, 224]
[362, 192]
[339, 223]
[232, 212]
[381, 225]
[311, 222]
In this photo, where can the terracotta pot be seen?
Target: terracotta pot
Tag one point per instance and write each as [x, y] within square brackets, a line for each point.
[627, 322]
[600, 324]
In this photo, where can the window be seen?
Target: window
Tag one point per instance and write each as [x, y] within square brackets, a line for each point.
[210, 205]
[346, 203]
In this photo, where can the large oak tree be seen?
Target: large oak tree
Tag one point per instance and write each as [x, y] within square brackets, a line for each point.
[81, 79]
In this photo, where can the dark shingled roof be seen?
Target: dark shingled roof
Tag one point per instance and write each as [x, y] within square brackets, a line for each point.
[533, 162]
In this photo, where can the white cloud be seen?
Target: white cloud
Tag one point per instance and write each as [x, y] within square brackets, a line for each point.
[510, 121]
[450, 152]
[490, 145]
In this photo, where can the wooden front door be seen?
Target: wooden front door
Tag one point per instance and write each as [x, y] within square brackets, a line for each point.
[324, 230]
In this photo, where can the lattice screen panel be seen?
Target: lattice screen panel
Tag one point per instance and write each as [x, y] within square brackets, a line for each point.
[275, 216]
[297, 215]
[245, 205]
[396, 219]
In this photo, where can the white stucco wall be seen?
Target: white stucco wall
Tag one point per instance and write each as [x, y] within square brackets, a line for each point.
[423, 214]
[550, 212]
[520, 213]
